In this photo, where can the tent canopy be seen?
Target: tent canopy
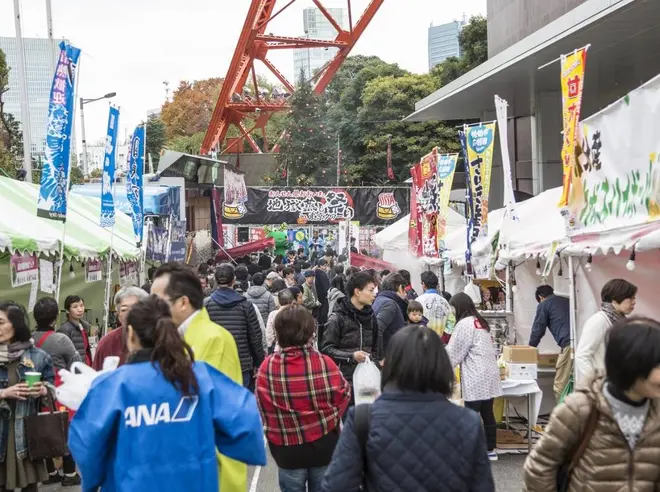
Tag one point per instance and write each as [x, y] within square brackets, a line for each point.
[21, 229]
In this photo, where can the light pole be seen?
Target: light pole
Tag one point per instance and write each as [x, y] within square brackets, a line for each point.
[22, 84]
[84, 101]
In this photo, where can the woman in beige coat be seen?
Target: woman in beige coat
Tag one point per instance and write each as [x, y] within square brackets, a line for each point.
[623, 452]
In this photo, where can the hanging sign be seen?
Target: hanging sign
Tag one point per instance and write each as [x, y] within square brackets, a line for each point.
[93, 270]
[178, 242]
[24, 269]
[46, 271]
[572, 84]
[617, 179]
[316, 205]
[480, 142]
[446, 171]
[52, 200]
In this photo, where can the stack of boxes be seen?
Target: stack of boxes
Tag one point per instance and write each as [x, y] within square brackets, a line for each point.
[521, 362]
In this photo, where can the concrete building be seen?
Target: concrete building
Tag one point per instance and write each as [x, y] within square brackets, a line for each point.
[317, 26]
[443, 42]
[96, 155]
[524, 35]
[40, 56]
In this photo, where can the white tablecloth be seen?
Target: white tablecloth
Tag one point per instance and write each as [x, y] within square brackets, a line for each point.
[512, 388]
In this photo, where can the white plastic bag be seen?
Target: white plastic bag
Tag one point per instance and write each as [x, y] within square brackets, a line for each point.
[76, 382]
[366, 382]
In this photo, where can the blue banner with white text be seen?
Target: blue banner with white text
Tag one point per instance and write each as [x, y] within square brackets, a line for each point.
[52, 200]
[109, 164]
[134, 188]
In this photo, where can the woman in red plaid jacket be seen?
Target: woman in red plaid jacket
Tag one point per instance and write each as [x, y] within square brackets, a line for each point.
[302, 396]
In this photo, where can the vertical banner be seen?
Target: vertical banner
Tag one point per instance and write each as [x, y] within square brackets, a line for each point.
[480, 142]
[446, 170]
[52, 200]
[390, 169]
[572, 83]
[109, 162]
[134, 188]
[469, 204]
[502, 110]
[426, 185]
[178, 241]
[216, 219]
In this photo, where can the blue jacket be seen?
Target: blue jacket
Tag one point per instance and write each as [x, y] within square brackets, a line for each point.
[136, 432]
[33, 359]
[553, 314]
[417, 442]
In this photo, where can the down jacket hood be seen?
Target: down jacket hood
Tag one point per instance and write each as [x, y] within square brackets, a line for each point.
[257, 291]
[227, 297]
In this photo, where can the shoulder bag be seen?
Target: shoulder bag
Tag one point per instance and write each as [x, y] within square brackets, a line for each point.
[46, 433]
[565, 471]
[362, 423]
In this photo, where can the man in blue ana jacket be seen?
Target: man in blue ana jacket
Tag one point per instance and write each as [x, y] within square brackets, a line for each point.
[136, 432]
[553, 313]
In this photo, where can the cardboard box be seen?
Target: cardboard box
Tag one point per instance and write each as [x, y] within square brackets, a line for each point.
[548, 360]
[507, 436]
[521, 372]
[520, 354]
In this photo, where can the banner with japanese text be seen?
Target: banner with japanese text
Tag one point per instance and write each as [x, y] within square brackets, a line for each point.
[572, 83]
[134, 185]
[427, 188]
[617, 173]
[52, 200]
[446, 171]
[109, 164]
[480, 142]
[469, 203]
[24, 269]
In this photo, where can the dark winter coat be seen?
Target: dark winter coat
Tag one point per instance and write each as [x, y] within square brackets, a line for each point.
[236, 314]
[72, 331]
[391, 312]
[264, 300]
[416, 442]
[347, 331]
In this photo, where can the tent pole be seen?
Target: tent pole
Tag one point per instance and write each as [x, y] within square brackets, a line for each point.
[108, 284]
[573, 308]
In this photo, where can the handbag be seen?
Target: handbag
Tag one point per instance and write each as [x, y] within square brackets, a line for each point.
[565, 471]
[46, 433]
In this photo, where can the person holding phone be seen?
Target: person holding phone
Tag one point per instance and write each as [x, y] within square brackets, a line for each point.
[23, 371]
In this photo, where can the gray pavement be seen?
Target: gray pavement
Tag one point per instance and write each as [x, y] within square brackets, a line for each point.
[507, 472]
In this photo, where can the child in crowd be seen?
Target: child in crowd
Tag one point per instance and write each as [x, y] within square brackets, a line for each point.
[416, 313]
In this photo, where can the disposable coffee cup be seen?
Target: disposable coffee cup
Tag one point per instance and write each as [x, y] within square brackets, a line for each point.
[32, 377]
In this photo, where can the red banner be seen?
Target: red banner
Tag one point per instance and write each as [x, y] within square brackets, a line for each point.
[415, 229]
[425, 192]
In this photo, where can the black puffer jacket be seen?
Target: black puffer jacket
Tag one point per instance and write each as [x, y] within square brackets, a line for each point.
[236, 314]
[347, 331]
[72, 331]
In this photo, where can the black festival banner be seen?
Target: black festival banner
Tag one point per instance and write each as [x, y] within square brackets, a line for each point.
[369, 206]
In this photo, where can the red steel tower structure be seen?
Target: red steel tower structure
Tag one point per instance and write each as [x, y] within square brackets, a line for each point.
[250, 110]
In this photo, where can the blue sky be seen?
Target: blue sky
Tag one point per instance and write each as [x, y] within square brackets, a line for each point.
[132, 46]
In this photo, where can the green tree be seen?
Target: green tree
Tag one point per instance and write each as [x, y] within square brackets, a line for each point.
[156, 138]
[186, 144]
[11, 136]
[77, 176]
[307, 150]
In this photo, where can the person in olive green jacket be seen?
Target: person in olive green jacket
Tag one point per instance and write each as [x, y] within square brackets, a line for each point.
[211, 343]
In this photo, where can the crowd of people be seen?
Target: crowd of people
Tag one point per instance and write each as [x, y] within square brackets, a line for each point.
[219, 361]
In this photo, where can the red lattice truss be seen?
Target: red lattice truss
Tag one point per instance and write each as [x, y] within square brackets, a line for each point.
[252, 113]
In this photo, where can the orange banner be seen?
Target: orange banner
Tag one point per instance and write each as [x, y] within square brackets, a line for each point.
[572, 84]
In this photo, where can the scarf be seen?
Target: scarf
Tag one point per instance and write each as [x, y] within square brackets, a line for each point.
[613, 316]
[13, 351]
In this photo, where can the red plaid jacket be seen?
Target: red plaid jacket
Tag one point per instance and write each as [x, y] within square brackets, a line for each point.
[301, 396]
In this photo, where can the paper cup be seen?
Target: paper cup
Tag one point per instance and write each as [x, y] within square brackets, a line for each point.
[32, 377]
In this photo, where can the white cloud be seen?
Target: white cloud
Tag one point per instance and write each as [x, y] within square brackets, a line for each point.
[132, 46]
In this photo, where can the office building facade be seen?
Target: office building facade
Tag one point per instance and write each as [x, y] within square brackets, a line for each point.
[317, 26]
[40, 57]
[443, 42]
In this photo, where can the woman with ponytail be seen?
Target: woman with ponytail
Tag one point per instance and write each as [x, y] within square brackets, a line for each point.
[156, 423]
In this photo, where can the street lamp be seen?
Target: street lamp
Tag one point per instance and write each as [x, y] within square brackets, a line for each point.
[84, 101]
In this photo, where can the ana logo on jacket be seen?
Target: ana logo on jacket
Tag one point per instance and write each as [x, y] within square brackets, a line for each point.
[154, 414]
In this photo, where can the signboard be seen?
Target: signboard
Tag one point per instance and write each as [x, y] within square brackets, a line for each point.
[617, 175]
[178, 242]
[128, 273]
[24, 269]
[93, 270]
[370, 206]
[47, 276]
[157, 244]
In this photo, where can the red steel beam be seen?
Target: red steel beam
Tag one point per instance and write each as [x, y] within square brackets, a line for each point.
[253, 44]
